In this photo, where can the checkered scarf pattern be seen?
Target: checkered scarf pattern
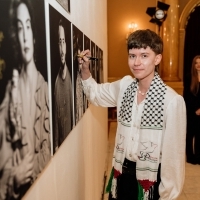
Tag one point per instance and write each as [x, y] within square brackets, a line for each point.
[152, 116]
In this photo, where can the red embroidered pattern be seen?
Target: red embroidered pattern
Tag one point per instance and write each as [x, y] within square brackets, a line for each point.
[146, 184]
[116, 173]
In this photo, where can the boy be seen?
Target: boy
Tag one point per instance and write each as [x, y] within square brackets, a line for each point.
[149, 153]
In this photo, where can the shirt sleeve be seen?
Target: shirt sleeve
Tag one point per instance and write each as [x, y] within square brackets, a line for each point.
[104, 95]
[173, 150]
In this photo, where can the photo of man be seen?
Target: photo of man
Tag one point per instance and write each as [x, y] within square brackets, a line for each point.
[60, 38]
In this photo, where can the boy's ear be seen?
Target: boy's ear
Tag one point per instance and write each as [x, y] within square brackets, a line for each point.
[158, 59]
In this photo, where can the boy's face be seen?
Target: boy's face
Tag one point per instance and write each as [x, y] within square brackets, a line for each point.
[142, 62]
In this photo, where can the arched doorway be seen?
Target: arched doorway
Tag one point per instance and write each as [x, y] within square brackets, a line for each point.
[192, 43]
[189, 8]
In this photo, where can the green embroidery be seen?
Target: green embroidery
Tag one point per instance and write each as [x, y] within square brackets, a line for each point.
[108, 187]
[140, 192]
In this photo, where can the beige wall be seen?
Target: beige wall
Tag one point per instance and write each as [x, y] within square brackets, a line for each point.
[77, 169]
[120, 14]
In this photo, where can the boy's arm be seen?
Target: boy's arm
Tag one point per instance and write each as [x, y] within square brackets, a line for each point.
[173, 151]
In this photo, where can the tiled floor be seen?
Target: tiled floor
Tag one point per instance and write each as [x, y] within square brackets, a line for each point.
[191, 189]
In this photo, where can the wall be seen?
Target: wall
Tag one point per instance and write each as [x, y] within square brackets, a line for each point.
[182, 4]
[76, 170]
[120, 14]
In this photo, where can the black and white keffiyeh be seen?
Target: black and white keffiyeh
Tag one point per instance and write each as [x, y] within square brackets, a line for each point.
[152, 116]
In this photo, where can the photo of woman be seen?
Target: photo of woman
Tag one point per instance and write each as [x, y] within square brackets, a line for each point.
[24, 111]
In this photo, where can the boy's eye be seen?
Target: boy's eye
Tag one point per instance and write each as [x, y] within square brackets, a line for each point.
[144, 55]
[131, 56]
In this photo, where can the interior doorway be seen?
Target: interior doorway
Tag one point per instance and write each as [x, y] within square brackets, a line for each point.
[192, 43]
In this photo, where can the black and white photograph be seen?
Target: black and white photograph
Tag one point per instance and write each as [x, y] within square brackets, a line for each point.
[24, 100]
[93, 62]
[86, 46]
[65, 4]
[61, 76]
[101, 65]
[97, 65]
[86, 42]
[79, 107]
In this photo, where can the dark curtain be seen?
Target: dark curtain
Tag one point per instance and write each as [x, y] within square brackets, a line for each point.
[192, 43]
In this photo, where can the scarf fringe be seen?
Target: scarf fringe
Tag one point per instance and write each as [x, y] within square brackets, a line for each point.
[114, 188]
[112, 183]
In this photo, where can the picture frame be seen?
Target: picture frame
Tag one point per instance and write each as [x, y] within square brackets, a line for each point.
[65, 4]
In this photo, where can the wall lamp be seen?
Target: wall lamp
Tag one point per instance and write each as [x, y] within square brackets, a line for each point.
[131, 28]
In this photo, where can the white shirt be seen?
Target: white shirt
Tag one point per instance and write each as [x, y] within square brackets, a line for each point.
[173, 132]
[131, 150]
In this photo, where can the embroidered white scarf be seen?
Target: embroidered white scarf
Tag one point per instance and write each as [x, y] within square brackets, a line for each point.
[150, 133]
